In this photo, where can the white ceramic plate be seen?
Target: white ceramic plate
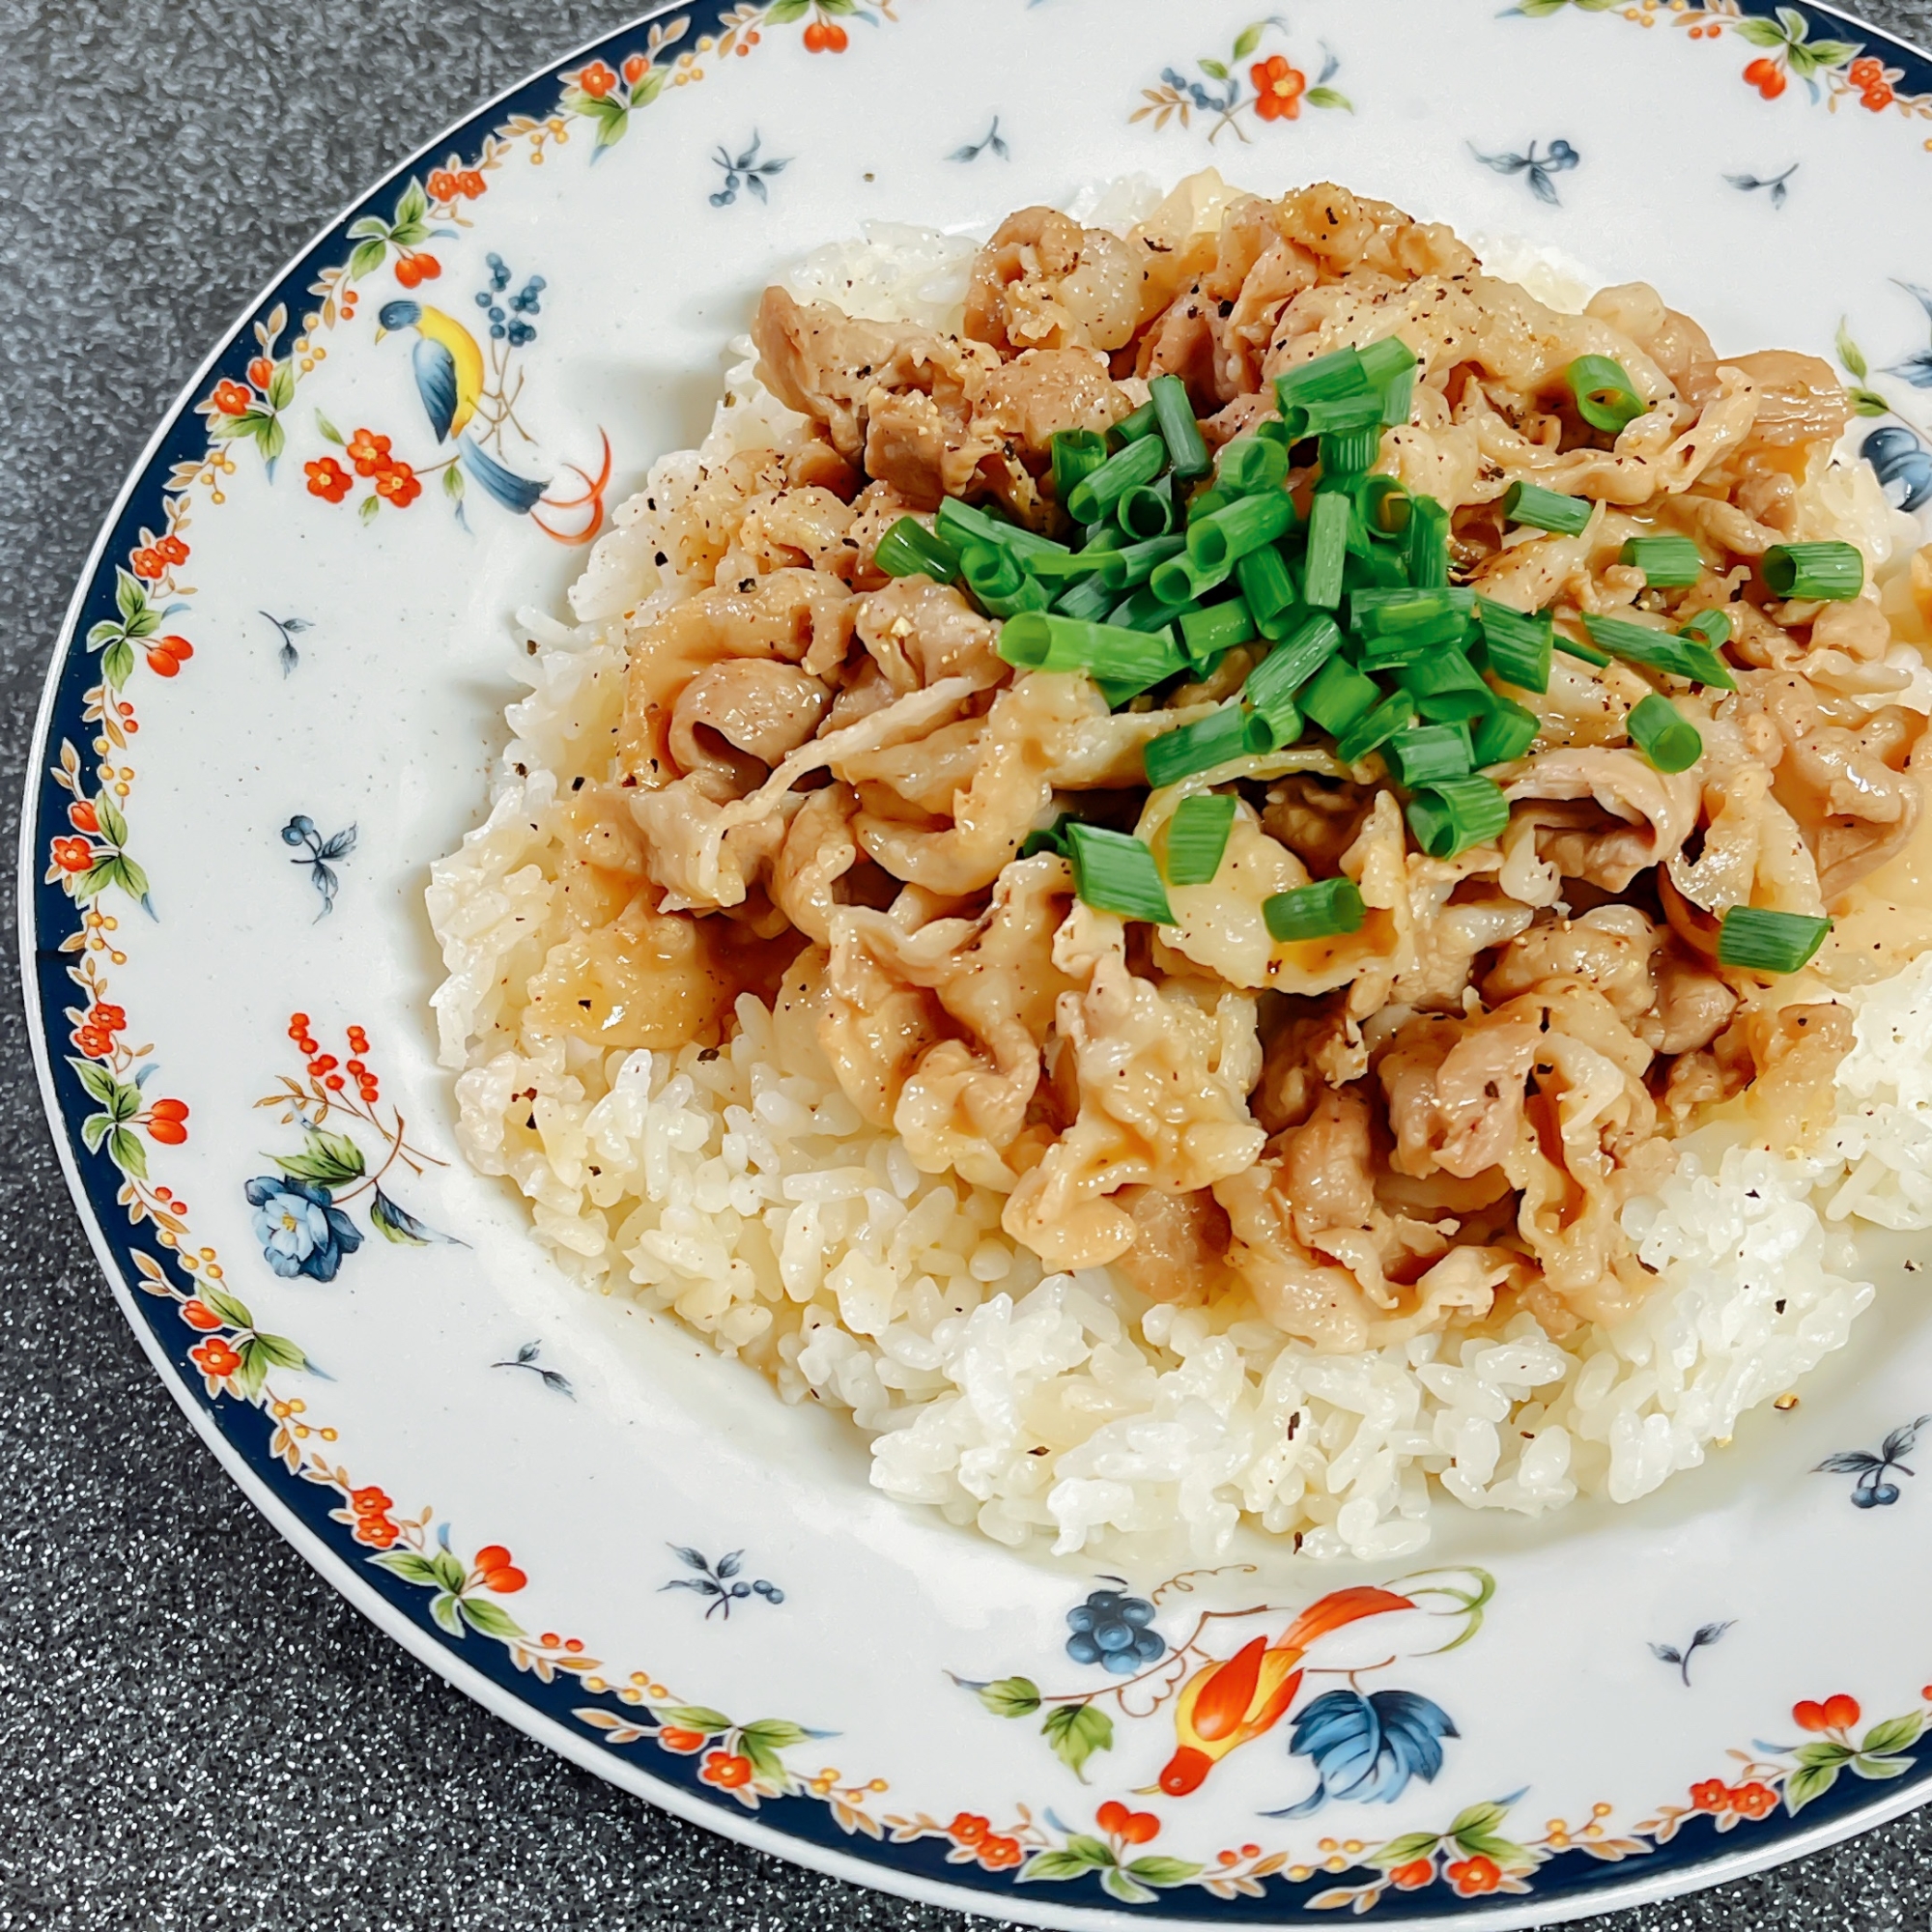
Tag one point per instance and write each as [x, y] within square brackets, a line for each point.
[276, 700]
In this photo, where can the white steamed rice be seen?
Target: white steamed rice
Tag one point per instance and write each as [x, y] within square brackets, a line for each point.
[739, 1189]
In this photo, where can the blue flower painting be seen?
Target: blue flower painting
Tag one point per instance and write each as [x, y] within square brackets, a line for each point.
[301, 1229]
[299, 1217]
[1366, 1748]
[1902, 463]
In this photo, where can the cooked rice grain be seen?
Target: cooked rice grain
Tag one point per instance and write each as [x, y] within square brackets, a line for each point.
[740, 1190]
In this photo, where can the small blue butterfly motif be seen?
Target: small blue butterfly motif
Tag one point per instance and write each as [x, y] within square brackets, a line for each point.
[1538, 170]
[1873, 1488]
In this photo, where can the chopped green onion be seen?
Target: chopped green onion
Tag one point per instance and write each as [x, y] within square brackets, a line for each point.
[1327, 546]
[1349, 452]
[1360, 545]
[1076, 453]
[1427, 753]
[1379, 570]
[1197, 837]
[909, 549]
[962, 524]
[1097, 493]
[1143, 609]
[1640, 644]
[1216, 628]
[1457, 707]
[1275, 726]
[1180, 580]
[1101, 537]
[1250, 464]
[1382, 614]
[1665, 735]
[1116, 693]
[1293, 662]
[1399, 397]
[1384, 360]
[1442, 670]
[1001, 586]
[1340, 697]
[1208, 742]
[1405, 643]
[1171, 582]
[1339, 373]
[1142, 422]
[1205, 503]
[1658, 650]
[1391, 367]
[1052, 840]
[1187, 449]
[1245, 524]
[1453, 814]
[1703, 665]
[1762, 941]
[1667, 563]
[1035, 640]
[1706, 667]
[1587, 653]
[1328, 909]
[1407, 647]
[990, 571]
[1267, 585]
[1113, 871]
[1519, 646]
[1392, 715]
[1280, 623]
[1427, 548]
[1385, 506]
[1344, 413]
[1446, 687]
[1036, 842]
[1714, 626]
[1605, 398]
[1547, 509]
[1505, 731]
[1146, 511]
[1090, 560]
[1804, 572]
[1090, 599]
[1389, 359]
[1135, 564]
[1291, 426]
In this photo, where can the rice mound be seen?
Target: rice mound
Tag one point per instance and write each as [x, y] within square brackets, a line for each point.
[739, 1189]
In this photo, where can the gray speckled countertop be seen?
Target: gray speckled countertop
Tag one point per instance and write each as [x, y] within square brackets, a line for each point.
[194, 1731]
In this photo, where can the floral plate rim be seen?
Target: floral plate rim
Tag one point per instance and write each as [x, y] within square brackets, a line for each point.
[389, 1611]
[341, 1576]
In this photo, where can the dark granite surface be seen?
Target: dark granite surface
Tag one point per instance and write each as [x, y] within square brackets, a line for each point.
[195, 1730]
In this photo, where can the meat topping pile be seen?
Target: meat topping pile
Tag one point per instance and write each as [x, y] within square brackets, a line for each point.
[833, 789]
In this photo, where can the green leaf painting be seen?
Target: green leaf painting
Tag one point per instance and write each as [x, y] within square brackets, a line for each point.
[1010, 1697]
[1076, 1731]
[407, 1565]
[1893, 1734]
[491, 1619]
[326, 1160]
[695, 1717]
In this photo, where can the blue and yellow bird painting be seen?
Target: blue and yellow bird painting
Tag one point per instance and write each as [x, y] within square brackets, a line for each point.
[450, 376]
